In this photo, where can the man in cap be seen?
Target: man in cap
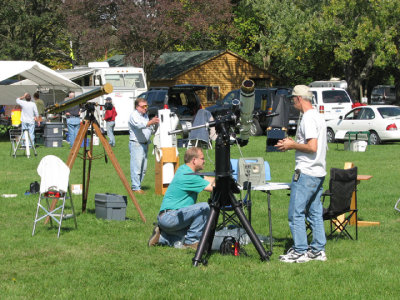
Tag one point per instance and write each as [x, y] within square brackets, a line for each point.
[306, 187]
[109, 117]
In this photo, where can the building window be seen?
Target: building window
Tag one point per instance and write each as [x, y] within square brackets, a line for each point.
[213, 93]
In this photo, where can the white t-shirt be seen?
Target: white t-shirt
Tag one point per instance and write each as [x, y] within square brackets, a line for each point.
[29, 111]
[312, 126]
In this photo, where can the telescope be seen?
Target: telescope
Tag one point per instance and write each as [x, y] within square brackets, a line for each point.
[66, 104]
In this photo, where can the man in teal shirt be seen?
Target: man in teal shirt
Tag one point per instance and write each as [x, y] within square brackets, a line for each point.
[180, 217]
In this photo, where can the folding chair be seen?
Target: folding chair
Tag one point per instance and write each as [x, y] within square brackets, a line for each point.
[54, 174]
[201, 137]
[342, 184]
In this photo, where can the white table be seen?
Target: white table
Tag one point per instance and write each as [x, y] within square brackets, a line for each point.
[267, 188]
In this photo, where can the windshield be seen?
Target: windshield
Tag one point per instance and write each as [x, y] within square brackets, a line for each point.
[125, 80]
[335, 96]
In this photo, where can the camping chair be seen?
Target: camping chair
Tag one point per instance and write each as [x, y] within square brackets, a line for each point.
[54, 174]
[201, 137]
[342, 184]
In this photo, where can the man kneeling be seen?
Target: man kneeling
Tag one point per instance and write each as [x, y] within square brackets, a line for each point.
[180, 217]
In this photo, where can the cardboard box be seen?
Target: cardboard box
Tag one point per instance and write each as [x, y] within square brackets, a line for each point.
[76, 189]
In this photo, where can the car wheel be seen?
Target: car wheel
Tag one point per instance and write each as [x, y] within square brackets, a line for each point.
[255, 129]
[330, 135]
[374, 138]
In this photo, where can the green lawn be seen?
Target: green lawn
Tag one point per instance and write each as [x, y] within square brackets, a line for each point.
[111, 260]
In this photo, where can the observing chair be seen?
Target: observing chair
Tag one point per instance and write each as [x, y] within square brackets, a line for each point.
[201, 137]
[227, 212]
[396, 205]
[342, 184]
[54, 174]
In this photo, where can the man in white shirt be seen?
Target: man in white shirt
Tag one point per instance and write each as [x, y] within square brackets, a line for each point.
[306, 187]
[140, 129]
[29, 114]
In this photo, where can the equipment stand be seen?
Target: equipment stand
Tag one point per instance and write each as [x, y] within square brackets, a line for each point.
[27, 138]
[90, 121]
[223, 195]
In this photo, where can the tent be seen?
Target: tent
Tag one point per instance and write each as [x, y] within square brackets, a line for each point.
[37, 77]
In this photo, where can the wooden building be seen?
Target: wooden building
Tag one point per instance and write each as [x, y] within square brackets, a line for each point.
[223, 70]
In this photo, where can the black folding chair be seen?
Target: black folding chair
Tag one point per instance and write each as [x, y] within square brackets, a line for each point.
[342, 185]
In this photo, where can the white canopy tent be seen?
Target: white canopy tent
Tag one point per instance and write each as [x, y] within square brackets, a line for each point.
[38, 77]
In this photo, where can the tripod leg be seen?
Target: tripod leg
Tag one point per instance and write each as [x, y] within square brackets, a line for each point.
[77, 144]
[250, 231]
[208, 235]
[117, 168]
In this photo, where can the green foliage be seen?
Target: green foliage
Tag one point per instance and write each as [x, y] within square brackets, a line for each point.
[110, 259]
[4, 129]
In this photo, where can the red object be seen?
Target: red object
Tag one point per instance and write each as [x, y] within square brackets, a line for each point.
[321, 109]
[391, 127]
[237, 249]
[357, 104]
[110, 115]
[165, 106]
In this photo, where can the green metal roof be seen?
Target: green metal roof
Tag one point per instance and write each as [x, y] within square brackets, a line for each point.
[172, 64]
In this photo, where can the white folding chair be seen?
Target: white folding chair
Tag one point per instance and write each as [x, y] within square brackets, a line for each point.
[54, 174]
[201, 137]
[396, 205]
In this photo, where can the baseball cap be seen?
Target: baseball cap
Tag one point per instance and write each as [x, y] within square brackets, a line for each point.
[108, 99]
[301, 90]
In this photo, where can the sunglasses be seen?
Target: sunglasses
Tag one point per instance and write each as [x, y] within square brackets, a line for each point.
[143, 106]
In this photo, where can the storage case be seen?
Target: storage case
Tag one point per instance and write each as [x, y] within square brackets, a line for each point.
[53, 129]
[53, 142]
[356, 146]
[110, 206]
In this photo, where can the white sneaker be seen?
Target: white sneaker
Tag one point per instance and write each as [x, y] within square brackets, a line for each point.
[290, 250]
[294, 257]
[320, 255]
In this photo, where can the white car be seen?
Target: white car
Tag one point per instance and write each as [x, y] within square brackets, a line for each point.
[382, 122]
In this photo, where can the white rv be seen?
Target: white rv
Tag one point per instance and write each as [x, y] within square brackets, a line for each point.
[128, 83]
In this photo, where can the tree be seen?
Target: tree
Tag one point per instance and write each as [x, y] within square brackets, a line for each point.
[145, 29]
[29, 30]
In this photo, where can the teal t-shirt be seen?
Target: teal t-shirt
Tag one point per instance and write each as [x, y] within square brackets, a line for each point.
[183, 189]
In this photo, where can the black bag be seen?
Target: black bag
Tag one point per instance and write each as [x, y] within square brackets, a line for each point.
[228, 245]
[34, 188]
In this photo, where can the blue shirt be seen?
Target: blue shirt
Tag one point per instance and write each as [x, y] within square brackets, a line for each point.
[138, 131]
[183, 190]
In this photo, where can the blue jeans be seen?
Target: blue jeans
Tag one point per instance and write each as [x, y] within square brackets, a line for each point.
[73, 125]
[186, 223]
[138, 163]
[305, 203]
[31, 130]
[110, 132]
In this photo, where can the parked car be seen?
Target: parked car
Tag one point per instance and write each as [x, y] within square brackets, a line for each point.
[383, 94]
[382, 122]
[262, 106]
[181, 99]
[331, 102]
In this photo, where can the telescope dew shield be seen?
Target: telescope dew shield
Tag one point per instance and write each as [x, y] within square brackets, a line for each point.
[246, 108]
[97, 92]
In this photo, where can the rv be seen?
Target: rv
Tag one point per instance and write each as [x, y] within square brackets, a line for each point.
[333, 82]
[128, 83]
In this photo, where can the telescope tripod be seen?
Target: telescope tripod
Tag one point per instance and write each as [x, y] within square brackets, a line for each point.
[223, 195]
[91, 123]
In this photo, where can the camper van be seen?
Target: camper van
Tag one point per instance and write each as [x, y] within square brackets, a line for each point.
[333, 82]
[128, 83]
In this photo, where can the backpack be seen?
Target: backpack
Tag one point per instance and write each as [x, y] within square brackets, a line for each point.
[34, 188]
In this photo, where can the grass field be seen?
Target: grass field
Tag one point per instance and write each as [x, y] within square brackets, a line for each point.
[111, 260]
